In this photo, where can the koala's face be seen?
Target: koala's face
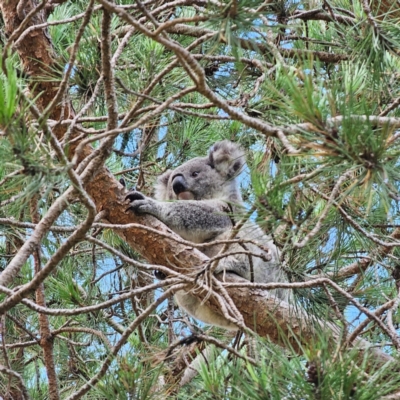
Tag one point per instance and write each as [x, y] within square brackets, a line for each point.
[204, 178]
[195, 180]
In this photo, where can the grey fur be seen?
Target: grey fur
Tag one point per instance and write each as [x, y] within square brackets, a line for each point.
[200, 201]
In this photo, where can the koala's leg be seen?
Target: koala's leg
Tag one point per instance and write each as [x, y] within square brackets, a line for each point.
[200, 311]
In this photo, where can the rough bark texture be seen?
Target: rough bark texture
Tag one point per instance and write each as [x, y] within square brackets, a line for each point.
[46, 338]
[382, 7]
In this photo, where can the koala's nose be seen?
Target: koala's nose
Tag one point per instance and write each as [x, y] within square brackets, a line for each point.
[179, 185]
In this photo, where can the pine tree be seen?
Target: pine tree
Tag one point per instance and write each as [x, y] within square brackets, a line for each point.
[92, 92]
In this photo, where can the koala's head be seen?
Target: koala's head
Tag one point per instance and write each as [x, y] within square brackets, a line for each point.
[204, 178]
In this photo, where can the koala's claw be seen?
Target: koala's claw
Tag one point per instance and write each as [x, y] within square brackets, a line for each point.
[135, 207]
[140, 206]
[134, 195]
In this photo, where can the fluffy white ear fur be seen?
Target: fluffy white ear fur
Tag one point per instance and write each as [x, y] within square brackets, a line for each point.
[227, 158]
[161, 187]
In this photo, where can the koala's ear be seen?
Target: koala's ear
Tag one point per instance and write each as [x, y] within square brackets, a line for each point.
[227, 158]
[161, 187]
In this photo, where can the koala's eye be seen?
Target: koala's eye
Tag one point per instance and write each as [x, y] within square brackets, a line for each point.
[194, 174]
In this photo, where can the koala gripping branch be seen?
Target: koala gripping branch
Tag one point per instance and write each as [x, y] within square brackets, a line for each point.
[261, 311]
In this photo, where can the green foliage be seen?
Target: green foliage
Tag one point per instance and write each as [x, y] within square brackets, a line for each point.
[133, 379]
[8, 93]
[320, 374]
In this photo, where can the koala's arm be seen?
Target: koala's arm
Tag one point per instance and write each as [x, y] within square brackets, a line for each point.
[196, 221]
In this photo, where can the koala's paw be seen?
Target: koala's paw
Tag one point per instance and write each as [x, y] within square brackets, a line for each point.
[140, 204]
[134, 195]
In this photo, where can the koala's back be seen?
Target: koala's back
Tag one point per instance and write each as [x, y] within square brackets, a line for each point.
[255, 262]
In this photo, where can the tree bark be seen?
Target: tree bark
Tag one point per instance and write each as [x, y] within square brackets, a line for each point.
[46, 338]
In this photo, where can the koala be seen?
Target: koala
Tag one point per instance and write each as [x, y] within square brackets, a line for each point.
[201, 202]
